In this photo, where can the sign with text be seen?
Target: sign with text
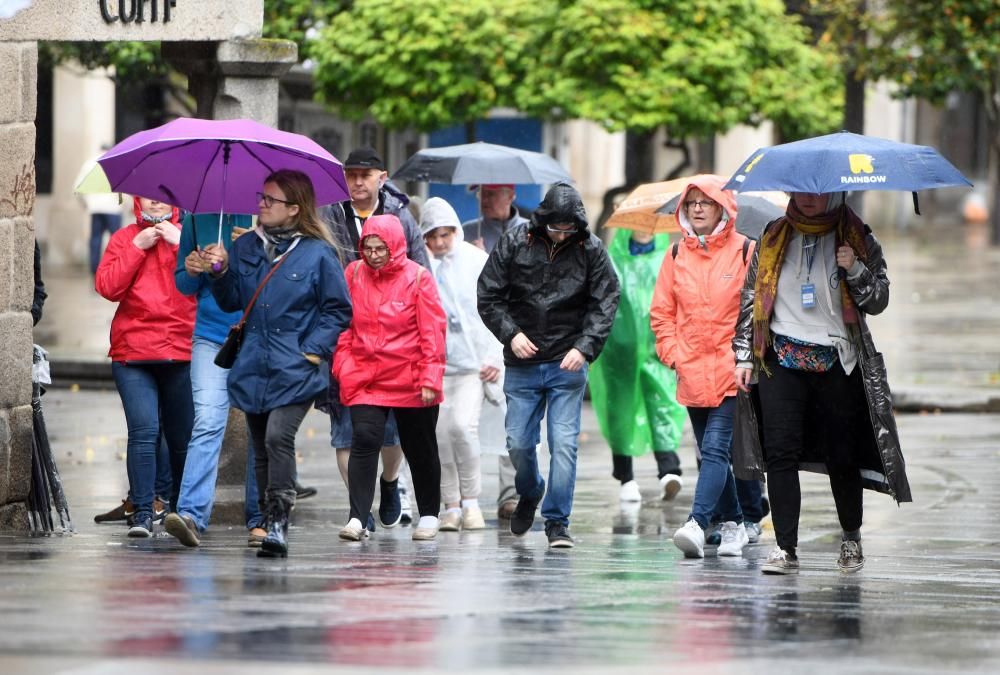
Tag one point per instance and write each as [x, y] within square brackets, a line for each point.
[142, 20]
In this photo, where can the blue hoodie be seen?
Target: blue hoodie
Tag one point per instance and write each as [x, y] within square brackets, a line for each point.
[211, 322]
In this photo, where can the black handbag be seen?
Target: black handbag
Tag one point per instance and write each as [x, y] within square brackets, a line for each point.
[231, 347]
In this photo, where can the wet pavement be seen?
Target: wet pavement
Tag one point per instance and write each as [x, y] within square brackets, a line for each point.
[624, 599]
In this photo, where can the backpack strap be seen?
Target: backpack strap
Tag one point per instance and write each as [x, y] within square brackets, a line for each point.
[746, 249]
[673, 250]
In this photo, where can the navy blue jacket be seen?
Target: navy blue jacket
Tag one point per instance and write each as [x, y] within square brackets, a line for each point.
[302, 310]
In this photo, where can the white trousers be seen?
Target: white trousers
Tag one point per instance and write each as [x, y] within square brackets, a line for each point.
[458, 437]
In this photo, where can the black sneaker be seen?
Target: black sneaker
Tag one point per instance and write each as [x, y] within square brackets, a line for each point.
[851, 558]
[390, 511]
[523, 516]
[558, 535]
[142, 525]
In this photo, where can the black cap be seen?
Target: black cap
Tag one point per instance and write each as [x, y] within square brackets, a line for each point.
[364, 158]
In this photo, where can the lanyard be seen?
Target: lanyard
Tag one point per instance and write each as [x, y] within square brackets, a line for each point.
[811, 255]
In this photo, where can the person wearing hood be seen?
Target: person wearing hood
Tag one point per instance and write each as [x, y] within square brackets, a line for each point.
[693, 315]
[150, 349]
[391, 359]
[371, 195]
[633, 393]
[825, 403]
[472, 371]
[289, 270]
[549, 294]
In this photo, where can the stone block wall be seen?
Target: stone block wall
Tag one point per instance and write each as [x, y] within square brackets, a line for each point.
[18, 72]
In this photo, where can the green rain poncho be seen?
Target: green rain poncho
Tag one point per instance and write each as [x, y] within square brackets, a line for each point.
[632, 392]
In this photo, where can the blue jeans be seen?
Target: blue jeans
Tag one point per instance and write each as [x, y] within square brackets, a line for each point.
[716, 487]
[163, 487]
[155, 396]
[533, 391]
[211, 412]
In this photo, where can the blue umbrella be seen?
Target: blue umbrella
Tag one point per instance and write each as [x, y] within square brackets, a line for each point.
[845, 162]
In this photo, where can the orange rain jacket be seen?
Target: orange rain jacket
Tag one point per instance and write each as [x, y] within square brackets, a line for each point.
[696, 303]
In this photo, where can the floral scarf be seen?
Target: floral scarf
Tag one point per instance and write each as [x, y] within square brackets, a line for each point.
[773, 243]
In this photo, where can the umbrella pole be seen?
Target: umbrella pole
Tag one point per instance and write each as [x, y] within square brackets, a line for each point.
[217, 267]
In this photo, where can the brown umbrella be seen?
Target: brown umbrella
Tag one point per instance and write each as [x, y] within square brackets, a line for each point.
[638, 210]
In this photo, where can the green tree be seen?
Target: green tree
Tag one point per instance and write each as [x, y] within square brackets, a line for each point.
[413, 65]
[692, 67]
[931, 48]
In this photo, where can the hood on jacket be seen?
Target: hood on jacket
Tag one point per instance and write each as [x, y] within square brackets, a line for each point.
[436, 213]
[175, 214]
[390, 194]
[712, 187]
[562, 204]
[387, 228]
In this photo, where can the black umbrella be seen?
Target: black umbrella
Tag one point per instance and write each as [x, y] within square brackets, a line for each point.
[481, 163]
[753, 213]
[46, 488]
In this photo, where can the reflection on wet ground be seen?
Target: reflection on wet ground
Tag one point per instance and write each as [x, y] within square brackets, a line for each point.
[624, 598]
[927, 601]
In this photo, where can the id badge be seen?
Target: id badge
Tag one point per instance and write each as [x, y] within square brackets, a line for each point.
[808, 296]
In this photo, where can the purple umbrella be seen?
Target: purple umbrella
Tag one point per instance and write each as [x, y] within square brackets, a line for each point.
[217, 166]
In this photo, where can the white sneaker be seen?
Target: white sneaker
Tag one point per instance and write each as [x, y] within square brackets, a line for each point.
[779, 562]
[353, 531]
[630, 492]
[753, 532]
[451, 521]
[670, 485]
[472, 518]
[734, 538]
[690, 539]
[426, 529]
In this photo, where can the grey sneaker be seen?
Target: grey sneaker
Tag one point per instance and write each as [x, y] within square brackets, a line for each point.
[753, 531]
[779, 562]
[734, 538]
[182, 528]
[851, 559]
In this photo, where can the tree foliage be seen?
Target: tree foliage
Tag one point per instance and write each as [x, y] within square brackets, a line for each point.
[696, 67]
[413, 65]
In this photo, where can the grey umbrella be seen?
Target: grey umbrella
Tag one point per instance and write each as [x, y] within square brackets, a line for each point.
[753, 213]
[481, 163]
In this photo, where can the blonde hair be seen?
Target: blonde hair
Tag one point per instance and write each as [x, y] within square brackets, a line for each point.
[298, 189]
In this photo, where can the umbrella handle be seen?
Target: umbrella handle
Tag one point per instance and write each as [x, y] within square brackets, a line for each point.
[217, 266]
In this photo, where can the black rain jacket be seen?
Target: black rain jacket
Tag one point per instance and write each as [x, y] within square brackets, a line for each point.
[560, 296]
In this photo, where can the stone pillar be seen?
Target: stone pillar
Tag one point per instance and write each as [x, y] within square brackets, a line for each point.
[18, 71]
[237, 79]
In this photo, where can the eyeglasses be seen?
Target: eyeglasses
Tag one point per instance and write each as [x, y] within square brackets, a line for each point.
[375, 250]
[700, 204]
[269, 200]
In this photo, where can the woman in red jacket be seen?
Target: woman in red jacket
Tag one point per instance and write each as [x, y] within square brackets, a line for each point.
[150, 348]
[391, 358]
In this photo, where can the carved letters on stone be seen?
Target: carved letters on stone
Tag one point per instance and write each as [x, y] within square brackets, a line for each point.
[129, 11]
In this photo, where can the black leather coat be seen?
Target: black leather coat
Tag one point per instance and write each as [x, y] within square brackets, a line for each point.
[870, 292]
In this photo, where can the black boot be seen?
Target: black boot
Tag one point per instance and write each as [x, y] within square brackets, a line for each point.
[279, 506]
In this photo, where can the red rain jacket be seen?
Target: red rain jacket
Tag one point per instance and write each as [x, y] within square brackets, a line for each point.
[396, 341]
[154, 321]
[696, 302]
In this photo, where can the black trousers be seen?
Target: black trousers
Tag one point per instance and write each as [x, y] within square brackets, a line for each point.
[274, 431]
[826, 410]
[667, 461]
[418, 439]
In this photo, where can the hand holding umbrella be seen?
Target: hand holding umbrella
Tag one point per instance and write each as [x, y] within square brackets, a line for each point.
[215, 255]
